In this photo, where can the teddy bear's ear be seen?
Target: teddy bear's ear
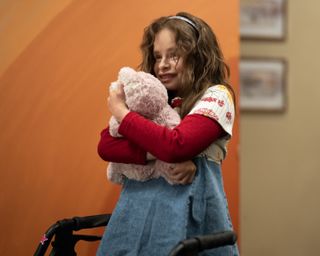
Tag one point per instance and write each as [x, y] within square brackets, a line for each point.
[126, 71]
[126, 74]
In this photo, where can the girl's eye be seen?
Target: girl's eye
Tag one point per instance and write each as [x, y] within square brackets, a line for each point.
[174, 56]
[157, 57]
[170, 57]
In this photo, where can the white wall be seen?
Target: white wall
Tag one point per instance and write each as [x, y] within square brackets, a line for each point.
[280, 160]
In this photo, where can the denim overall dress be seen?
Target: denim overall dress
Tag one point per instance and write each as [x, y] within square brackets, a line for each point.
[152, 217]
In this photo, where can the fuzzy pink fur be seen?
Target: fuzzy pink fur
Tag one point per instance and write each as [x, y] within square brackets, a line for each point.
[146, 95]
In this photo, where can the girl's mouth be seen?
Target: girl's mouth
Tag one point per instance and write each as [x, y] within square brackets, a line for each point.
[166, 78]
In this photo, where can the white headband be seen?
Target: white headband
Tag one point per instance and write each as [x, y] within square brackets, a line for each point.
[186, 20]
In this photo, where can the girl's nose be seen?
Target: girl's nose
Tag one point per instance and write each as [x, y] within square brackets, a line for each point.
[164, 63]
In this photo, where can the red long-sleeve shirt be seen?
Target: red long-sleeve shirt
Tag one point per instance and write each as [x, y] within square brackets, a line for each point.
[194, 134]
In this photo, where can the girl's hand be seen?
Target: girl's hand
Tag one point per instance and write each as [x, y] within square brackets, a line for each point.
[116, 103]
[182, 173]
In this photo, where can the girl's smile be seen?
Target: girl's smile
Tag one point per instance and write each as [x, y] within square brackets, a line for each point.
[166, 77]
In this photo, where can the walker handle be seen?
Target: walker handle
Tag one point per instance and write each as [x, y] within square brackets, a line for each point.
[204, 242]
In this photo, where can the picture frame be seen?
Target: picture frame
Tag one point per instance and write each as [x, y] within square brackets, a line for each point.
[263, 84]
[263, 19]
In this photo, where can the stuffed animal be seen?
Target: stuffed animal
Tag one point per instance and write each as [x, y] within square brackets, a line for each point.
[146, 95]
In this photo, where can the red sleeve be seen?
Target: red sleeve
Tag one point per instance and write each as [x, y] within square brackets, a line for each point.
[119, 150]
[193, 135]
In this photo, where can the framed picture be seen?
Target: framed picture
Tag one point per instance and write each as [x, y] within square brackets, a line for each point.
[263, 19]
[262, 84]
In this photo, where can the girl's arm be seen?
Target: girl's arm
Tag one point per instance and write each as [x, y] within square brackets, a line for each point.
[194, 134]
[119, 150]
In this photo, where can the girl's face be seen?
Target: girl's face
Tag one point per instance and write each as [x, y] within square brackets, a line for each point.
[168, 65]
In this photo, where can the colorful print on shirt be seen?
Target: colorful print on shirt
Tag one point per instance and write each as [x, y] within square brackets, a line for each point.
[217, 103]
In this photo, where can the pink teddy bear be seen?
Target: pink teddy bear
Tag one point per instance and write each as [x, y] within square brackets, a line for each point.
[146, 95]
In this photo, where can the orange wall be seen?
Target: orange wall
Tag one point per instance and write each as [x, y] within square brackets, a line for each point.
[53, 106]
[20, 22]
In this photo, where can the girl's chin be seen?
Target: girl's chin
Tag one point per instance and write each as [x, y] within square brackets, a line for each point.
[171, 86]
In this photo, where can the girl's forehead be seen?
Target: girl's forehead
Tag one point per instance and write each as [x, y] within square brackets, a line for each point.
[164, 40]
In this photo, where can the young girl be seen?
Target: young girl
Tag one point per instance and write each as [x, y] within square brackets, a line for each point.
[152, 217]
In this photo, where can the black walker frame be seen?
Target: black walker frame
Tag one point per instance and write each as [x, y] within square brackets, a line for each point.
[65, 241]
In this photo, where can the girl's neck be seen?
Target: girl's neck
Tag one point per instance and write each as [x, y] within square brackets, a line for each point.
[171, 95]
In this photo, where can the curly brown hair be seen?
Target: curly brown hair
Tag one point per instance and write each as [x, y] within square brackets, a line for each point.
[204, 64]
